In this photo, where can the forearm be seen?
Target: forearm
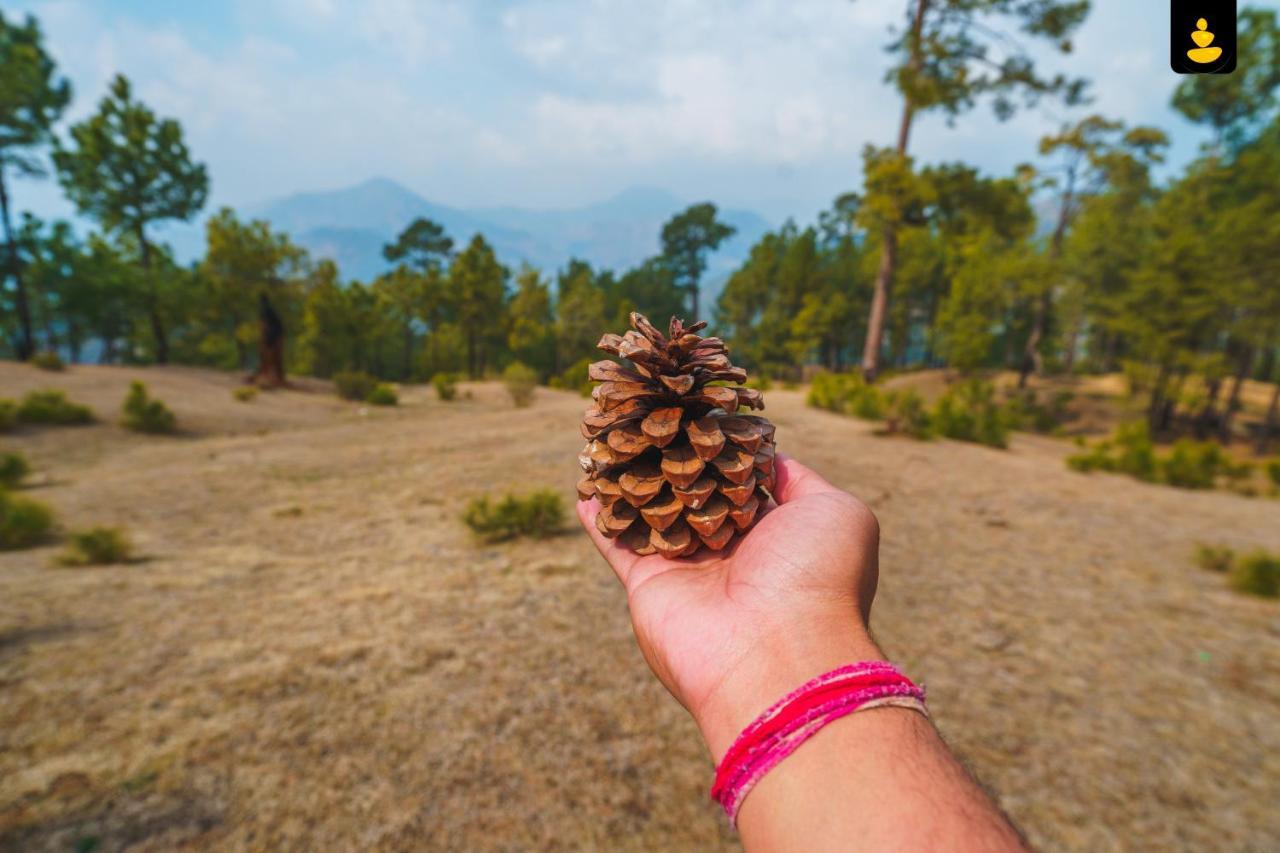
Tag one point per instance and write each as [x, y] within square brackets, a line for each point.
[882, 777]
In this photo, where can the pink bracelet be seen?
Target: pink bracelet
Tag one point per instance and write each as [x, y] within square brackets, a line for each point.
[799, 715]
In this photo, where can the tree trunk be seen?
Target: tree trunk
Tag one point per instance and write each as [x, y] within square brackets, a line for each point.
[1169, 411]
[879, 305]
[1103, 345]
[270, 373]
[889, 251]
[242, 351]
[157, 323]
[1010, 351]
[1207, 417]
[1155, 407]
[1073, 345]
[1233, 399]
[1109, 352]
[471, 355]
[1269, 423]
[75, 342]
[51, 341]
[1031, 357]
[407, 369]
[693, 300]
[25, 345]
[1032, 360]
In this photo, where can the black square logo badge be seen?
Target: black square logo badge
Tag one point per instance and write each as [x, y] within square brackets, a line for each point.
[1202, 36]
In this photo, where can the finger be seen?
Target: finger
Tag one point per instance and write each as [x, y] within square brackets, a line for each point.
[619, 559]
[797, 481]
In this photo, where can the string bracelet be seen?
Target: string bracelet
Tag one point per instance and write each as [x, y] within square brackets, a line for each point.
[799, 715]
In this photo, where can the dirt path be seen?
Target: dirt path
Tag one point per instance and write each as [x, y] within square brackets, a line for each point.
[315, 653]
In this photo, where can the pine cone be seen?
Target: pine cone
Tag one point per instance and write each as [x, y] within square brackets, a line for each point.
[673, 465]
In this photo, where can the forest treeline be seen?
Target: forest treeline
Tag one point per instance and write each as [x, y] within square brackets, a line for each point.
[1088, 257]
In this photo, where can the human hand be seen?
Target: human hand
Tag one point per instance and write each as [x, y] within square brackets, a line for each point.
[731, 632]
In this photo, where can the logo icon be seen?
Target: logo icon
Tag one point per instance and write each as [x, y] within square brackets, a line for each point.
[1202, 53]
[1202, 36]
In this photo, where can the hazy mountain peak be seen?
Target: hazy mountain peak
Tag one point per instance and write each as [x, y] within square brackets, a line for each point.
[651, 199]
[350, 225]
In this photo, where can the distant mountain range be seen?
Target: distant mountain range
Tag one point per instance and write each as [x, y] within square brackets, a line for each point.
[351, 226]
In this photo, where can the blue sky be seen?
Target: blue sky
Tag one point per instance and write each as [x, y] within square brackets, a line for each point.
[761, 104]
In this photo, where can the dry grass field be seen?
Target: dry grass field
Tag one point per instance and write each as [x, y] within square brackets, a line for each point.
[314, 654]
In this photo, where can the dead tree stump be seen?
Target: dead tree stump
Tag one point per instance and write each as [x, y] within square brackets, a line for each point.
[270, 372]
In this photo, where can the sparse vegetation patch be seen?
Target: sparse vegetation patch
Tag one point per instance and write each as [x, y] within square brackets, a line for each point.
[537, 515]
[97, 546]
[23, 522]
[354, 385]
[142, 413]
[51, 407]
[446, 385]
[382, 394]
[969, 411]
[1256, 573]
[13, 467]
[521, 380]
[1187, 465]
[48, 360]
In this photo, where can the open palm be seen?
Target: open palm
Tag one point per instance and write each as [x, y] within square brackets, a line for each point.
[808, 565]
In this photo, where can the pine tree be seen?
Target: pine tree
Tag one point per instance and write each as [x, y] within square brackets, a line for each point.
[129, 169]
[952, 53]
[32, 98]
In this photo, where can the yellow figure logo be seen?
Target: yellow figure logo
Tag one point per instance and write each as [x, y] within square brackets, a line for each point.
[1202, 53]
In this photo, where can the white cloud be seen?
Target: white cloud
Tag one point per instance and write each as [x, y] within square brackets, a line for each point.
[763, 103]
[413, 31]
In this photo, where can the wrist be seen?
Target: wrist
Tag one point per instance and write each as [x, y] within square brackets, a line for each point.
[785, 657]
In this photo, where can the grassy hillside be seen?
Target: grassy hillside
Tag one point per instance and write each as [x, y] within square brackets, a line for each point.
[313, 651]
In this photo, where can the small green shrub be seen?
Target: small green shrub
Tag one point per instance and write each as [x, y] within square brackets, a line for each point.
[969, 412]
[1137, 453]
[97, 546]
[846, 393]
[48, 360]
[1273, 472]
[1188, 464]
[866, 402]
[144, 414]
[1257, 574]
[446, 385]
[758, 381]
[52, 407]
[13, 467]
[354, 384]
[8, 415]
[382, 395]
[1130, 451]
[906, 414]
[245, 393]
[825, 392]
[1026, 411]
[575, 378]
[1215, 558]
[539, 515]
[1197, 465]
[520, 380]
[23, 522]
